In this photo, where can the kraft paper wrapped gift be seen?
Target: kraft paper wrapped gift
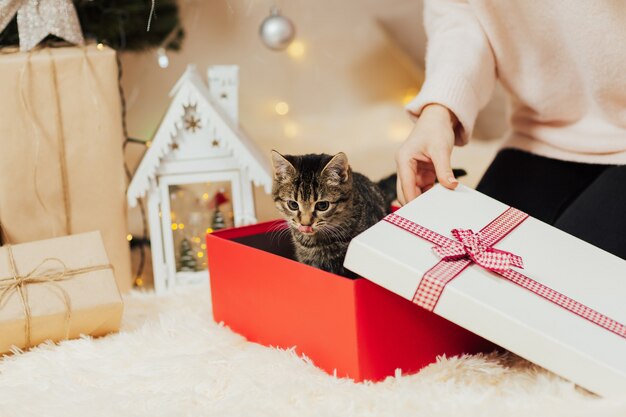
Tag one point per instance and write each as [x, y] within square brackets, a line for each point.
[67, 289]
[61, 158]
[564, 310]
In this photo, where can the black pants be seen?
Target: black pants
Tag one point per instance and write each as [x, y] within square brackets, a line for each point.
[584, 200]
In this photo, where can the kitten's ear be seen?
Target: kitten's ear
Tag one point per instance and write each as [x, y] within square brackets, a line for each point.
[336, 170]
[283, 169]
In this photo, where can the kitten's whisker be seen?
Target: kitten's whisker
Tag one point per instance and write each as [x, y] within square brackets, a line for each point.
[329, 232]
[338, 231]
[325, 231]
[277, 226]
[333, 233]
[277, 232]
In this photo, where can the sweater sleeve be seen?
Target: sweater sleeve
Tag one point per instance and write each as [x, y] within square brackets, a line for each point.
[460, 66]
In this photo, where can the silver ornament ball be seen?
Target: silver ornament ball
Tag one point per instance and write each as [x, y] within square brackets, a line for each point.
[277, 31]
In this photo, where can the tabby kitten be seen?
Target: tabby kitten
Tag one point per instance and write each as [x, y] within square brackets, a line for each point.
[326, 205]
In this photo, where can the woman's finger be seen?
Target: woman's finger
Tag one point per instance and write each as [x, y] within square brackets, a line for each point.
[441, 160]
[399, 193]
[407, 175]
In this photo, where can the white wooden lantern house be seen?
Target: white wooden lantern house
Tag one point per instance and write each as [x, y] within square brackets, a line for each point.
[197, 175]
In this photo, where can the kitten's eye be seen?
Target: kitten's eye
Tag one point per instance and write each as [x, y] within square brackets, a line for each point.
[293, 205]
[322, 205]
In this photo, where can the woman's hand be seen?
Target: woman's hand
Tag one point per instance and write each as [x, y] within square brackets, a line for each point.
[425, 154]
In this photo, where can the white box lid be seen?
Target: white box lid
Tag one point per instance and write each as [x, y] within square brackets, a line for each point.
[498, 310]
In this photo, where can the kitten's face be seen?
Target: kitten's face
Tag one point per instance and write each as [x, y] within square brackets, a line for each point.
[313, 192]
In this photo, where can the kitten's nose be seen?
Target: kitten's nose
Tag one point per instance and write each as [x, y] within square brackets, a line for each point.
[305, 229]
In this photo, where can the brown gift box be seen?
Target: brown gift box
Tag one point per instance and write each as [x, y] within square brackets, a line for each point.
[61, 156]
[83, 299]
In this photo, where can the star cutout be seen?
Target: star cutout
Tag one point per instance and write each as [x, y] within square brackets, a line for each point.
[215, 143]
[37, 19]
[174, 146]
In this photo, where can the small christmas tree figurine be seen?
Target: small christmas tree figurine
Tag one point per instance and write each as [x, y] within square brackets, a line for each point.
[218, 221]
[187, 262]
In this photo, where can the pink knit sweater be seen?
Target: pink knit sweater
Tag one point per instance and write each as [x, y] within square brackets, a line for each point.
[562, 62]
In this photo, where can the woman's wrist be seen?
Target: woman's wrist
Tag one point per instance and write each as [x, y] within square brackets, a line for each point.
[438, 112]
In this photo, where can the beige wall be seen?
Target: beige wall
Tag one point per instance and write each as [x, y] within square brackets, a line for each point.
[345, 93]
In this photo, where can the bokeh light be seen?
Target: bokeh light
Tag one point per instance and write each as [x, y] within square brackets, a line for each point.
[281, 108]
[296, 50]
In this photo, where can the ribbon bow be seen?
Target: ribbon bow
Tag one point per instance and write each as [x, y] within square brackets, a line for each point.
[473, 245]
[470, 247]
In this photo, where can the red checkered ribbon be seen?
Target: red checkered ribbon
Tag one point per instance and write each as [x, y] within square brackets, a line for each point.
[473, 245]
[470, 247]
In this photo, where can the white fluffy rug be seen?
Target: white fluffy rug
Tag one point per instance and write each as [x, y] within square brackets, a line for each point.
[172, 360]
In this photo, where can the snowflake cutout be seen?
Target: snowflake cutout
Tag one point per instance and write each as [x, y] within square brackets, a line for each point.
[191, 121]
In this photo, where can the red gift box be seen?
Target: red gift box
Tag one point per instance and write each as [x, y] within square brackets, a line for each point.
[352, 327]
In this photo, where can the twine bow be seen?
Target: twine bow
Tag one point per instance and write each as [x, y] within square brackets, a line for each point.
[473, 245]
[41, 275]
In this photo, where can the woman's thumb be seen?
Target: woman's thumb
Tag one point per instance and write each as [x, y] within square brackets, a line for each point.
[443, 169]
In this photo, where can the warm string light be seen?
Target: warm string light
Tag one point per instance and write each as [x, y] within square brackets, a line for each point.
[129, 237]
[291, 129]
[409, 95]
[178, 226]
[281, 108]
[162, 58]
[296, 50]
